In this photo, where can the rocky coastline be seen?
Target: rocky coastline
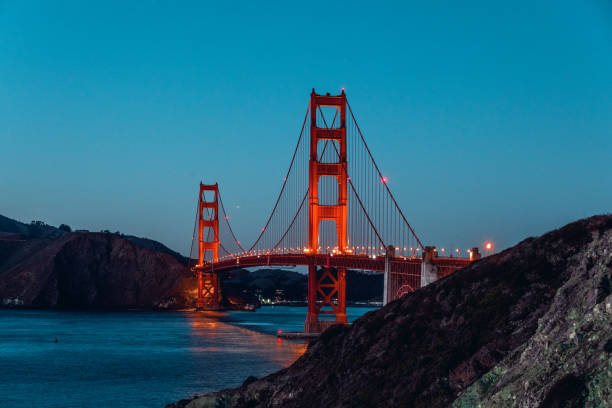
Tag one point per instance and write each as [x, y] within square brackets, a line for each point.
[528, 327]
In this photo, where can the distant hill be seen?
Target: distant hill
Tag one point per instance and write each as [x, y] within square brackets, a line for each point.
[44, 266]
[293, 286]
[156, 246]
[36, 229]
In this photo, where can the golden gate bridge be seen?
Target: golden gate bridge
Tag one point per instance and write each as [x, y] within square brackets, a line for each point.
[334, 212]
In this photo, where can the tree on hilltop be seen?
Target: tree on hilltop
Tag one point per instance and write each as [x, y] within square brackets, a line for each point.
[65, 227]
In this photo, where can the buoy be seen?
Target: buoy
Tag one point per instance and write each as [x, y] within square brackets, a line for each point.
[55, 341]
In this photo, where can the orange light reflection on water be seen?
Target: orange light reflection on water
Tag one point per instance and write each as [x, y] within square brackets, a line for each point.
[213, 335]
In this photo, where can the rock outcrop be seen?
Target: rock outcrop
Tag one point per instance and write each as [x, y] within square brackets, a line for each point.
[44, 266]
[52, 268]
[528, 327]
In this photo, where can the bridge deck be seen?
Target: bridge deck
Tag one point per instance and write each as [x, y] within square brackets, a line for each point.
[405, 265]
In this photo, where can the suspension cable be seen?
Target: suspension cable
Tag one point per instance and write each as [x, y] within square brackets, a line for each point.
[294, 218]
[228, 223]
[381, 176]
[195, 224]
[263, 230]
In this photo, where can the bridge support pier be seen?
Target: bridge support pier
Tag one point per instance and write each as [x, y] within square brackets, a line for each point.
[312, 317]
[429, 270]
[323, 285]
[209, 291]
[475, 254]
[387, 275]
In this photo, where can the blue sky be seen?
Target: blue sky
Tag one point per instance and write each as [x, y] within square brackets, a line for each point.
[492, 121]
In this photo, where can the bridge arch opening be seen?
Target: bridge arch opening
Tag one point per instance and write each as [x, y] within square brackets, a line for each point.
[328, 117]
[328, 236]
[328, 190]
[208, 196]
[327, 151]
[208, 234]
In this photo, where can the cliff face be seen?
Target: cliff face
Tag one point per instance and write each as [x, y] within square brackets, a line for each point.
[80, 270]
[529, 327]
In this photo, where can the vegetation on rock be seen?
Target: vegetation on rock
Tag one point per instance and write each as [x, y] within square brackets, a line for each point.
[528, 327]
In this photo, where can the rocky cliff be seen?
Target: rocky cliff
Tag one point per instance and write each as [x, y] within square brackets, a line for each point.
[42, 266]
[529, 327]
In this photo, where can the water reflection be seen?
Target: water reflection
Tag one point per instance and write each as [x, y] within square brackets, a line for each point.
[114, 358]
[210, 335]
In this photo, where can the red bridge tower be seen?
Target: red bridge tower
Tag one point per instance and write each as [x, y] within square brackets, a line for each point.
[322, 287]
[209, 290]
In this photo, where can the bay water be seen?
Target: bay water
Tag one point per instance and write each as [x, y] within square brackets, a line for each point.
[59, 359]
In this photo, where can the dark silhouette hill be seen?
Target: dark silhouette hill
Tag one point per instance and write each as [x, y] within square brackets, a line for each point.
[34, 230]
[293, 286]
[101, 270]
[43, 266]
[528, 327]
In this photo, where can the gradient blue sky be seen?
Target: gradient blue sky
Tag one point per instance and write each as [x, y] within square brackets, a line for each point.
[492, 120]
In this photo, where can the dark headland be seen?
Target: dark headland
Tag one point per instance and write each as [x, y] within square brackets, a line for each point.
[528, 327]
[43, 266]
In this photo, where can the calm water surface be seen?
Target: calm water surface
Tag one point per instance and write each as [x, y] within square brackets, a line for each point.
[138, 359]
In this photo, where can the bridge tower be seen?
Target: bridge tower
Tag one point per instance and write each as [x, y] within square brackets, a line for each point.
[209, 289]
[329, 283]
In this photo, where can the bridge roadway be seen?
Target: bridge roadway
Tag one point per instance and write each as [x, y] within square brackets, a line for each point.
[403, 265]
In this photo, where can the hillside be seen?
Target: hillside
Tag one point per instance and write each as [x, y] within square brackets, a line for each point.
[34, 230]
[528, 327]
[43, 266]
[293, 286]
